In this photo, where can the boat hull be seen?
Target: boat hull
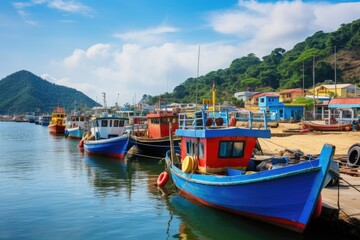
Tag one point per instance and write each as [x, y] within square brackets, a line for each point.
[56, 129]
[325, 127]
[284, 196]
[115, 147]
[154, 146]
[76, 132]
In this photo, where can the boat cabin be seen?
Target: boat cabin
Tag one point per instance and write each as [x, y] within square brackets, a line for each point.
[215, 148]
[158, 123]
[58, 116]
[107, 127]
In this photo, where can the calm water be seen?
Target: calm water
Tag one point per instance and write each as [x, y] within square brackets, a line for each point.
[51, 190]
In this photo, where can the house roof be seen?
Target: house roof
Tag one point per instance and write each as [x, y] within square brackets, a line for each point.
[268, 94]
[344, 85]
[291, 90]
[344, 101]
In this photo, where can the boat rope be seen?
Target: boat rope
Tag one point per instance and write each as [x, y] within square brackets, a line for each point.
[152, 145]
[147, 156]
[338, 200]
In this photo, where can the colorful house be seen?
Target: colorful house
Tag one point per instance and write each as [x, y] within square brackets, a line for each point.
[281, 110]
[289, 95]
[345, 109]
[339, 90]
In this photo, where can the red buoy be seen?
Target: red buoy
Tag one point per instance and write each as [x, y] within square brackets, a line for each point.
[162, 179]
[81, 143]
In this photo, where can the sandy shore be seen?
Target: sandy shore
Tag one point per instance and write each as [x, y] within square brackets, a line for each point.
[310, 142]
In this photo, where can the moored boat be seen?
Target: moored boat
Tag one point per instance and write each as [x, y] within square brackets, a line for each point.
[312, 126]
[156, 141]
[57, 122]
[215, 167]
[76, 126]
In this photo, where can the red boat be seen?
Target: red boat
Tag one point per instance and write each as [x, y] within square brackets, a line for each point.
[57, 123]
[311, 126]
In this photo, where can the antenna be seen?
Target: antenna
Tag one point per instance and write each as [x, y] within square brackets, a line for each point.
[197, 75]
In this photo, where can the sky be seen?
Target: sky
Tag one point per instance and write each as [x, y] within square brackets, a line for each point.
[128, 48]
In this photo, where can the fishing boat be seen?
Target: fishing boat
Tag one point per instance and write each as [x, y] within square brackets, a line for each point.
[45, 120]
[76, 125]
[57, 122]
[156, 141]
[216, 167]
[312, 126]
[107, 136]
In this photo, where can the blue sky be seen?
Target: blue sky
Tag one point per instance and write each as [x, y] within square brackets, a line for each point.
[127, 48]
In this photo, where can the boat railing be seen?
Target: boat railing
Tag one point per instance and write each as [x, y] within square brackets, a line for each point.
[210, 119]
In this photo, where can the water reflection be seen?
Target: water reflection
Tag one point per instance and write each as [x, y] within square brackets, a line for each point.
[200, 222]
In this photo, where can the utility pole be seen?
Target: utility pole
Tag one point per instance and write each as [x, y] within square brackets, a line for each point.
[335, 71]
[313, 73]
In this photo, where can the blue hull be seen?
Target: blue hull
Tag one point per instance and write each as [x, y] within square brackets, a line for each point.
[284, 196]
[117, 146]
[74, 133]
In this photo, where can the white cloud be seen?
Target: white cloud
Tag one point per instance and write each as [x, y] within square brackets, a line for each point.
[151, 35]
[147, 62]
[266, 26]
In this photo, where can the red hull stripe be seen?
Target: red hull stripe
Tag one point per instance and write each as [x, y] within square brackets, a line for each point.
[108, 154]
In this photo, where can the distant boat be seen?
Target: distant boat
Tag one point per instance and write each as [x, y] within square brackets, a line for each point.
[76, 125]
[44, 120]
[156, 141]
[57, 122]
[215, 167]
[311, 126]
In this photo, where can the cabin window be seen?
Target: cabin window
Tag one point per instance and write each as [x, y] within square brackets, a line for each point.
[110, 122]
[174, 120]
[164, 120]
[189, 148]
[229, 149]
[201, 150]
[155, 121]
[121, 123]
[104, 123]
[116, 123]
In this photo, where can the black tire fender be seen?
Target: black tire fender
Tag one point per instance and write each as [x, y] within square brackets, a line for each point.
[353, 155]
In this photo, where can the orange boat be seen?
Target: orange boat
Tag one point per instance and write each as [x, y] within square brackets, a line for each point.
[311, 126]
[57, 123]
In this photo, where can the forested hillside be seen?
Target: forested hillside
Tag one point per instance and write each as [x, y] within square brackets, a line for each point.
[281, 69]
[23, 92]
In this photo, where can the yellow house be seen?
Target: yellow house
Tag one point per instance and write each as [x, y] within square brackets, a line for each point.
[339, 90]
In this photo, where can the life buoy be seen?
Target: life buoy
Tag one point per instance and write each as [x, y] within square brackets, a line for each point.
[232, 122]
[219, 121]
[353, 156]
[209, 122]
[162, 179]
[81, 143]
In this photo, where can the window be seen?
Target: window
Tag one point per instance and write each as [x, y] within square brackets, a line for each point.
[155, 121]
[231, 149]
[201, 150]
[110, 121]
[190, 148]
[122, 123]
[116, 123]
[104, 123]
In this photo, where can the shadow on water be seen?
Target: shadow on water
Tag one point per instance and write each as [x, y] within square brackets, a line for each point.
[201, 222]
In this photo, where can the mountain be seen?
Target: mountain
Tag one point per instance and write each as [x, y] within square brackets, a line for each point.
[280, 69]
[23, 92]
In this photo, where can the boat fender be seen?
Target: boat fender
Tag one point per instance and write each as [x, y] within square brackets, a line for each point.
[188, 164]
[232, 122]
[162, 179]
[81, 143]
[219, 121]
[318, 208]
[353, 155]
[209, 122]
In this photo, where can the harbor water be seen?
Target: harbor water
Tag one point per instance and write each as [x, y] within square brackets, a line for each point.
[49, 189]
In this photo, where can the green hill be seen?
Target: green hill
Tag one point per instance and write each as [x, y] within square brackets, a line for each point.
[280, 69]
[23, 92]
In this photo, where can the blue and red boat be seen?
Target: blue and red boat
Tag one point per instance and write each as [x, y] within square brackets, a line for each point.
[107, 136]
[215, 167]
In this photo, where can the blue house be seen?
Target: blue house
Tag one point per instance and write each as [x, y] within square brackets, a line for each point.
[280, 110]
